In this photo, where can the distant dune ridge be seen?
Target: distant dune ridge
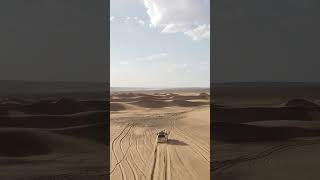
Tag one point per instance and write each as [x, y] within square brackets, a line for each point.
[156, 100]
[301, 103]
[45, 136]
[60, 106]
[117, 107]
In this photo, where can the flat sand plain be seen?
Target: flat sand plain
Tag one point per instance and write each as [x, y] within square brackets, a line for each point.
[135, 120]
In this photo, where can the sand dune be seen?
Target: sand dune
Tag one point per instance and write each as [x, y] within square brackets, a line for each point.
[260, 114]
[234, 132]
[135, 153]
[61, 106]
[21, 142]
[121, 106]
[62, 138]
[301, 103]
[94, 132]
[117, 107]
[184, 103]
[53, 121]
[265, 141]
[149, 103]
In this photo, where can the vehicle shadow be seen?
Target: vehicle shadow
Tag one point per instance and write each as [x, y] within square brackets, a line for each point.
[176, 142]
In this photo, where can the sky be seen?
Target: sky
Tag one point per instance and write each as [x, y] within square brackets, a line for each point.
[160, 43]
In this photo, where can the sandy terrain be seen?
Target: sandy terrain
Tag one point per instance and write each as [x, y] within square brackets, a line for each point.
[266, 138]
[135, 120]
[53, 138]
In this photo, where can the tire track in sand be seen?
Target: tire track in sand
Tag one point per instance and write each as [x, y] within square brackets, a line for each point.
[161, 166]
[124, 153]
[195, 147]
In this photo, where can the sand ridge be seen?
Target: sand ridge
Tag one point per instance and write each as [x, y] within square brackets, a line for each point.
[271, 141]
[135, 154]
[53, 138]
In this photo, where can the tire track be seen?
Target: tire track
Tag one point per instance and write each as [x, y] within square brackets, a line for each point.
[124, 154]
[135, 164]
[155, 152]
[140, 156]
[259, 155]
[168, 166]
[173, 126]
[196, 150]
[183, 135]
[191, 139]
[188, 171]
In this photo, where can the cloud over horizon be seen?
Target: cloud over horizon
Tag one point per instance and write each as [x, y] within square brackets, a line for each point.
[191, 17]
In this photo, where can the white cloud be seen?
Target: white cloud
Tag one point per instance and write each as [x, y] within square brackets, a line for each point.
[152, 57]
[141, 22]
[199, 33]
[127, 20]
[191, 17]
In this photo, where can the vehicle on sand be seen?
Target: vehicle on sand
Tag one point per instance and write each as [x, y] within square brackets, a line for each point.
[162, 137]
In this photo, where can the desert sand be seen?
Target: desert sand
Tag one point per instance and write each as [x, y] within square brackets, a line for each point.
[270, 136]
[135, 120]
[53, 137]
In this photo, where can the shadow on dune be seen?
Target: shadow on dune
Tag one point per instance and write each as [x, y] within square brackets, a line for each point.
[96, 132]
[183, 103]
[294, 109]
[54, 121]
[20, 143]
[176, 142]
[61, 106]
[160, 104]
[149, 103]
[117, 107]
[260, 114]
[232, 132]
[301, 103]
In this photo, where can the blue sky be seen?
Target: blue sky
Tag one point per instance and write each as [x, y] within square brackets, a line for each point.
[160, 43]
